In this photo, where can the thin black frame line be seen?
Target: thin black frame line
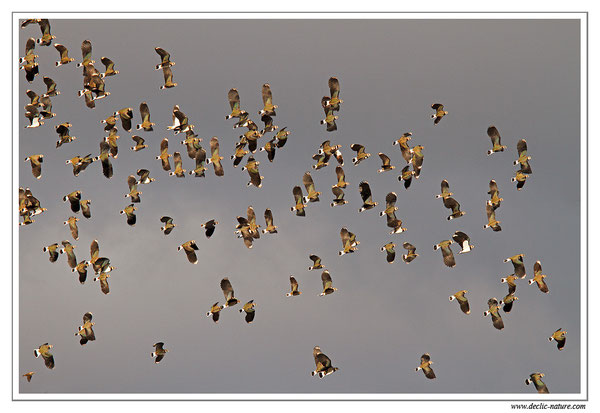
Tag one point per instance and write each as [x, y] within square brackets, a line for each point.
[586, 13]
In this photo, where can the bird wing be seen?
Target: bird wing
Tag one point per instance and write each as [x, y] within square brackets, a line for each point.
[358, 148]
[227, 288]
[293, 283]
[522, 147]
[460, 237]
[326, 278]
[86, 50]
[390, 200]
[234, 99]
[164, 55]
[452, 204]
[87, 317]
[267, 96]
[334, 87]
[297, 191]
[365, 191]
[384, 158]
[537, 268]
[268, 217]
[308, 182]
[144, 111]
[494, 135]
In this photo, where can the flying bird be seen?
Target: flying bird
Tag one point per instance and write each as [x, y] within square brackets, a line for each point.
[508, 301]
[439, 113]
[538, 277]
[411, 252]
[349, 242]
[385, 166]
[269, 228]
[129, 211]
[560, 337]
[104, 287]
[159, 352]
[164, 154]
[85, 331]
[495, 138]
[248, 308]
[215, 311]
[109, 67]
[294, 288]
[520, 178]
[145, 114]
[361, 155]
[517, 262]
[339, 196]
[169, 225]
[402, 142]
[327, 284]
[68, 249]
[44, 351]
[334, 91]
[165, 58]
[253, 172]
[209, 227]
[298, 198]
[447, 254]
[64, 55]
[463, 302]
[510, 280]
[29, 375]
[390, 252]
[330, 118]
[267, 97]
[494, 308]
[536, 379]
[72, 223]
[323, 363]
[230, 299]
[178, 171]
[63, 134]
[73, 198]
[426, 366]
[125, 114]
[365, 194]
[36, 164]
[445, 190]
[312, 194]
[523, 157]
[215, 159]
[189, 247]
[495, 199]
[234, 102]
[134, 194]
[453, 205]
[491, 216]
[316, 262]
[53, 251]
[406, 176]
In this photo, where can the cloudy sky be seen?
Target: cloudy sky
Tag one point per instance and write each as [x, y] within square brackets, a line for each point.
[520, 75]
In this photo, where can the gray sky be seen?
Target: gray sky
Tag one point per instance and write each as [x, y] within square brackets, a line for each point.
[522, 76]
